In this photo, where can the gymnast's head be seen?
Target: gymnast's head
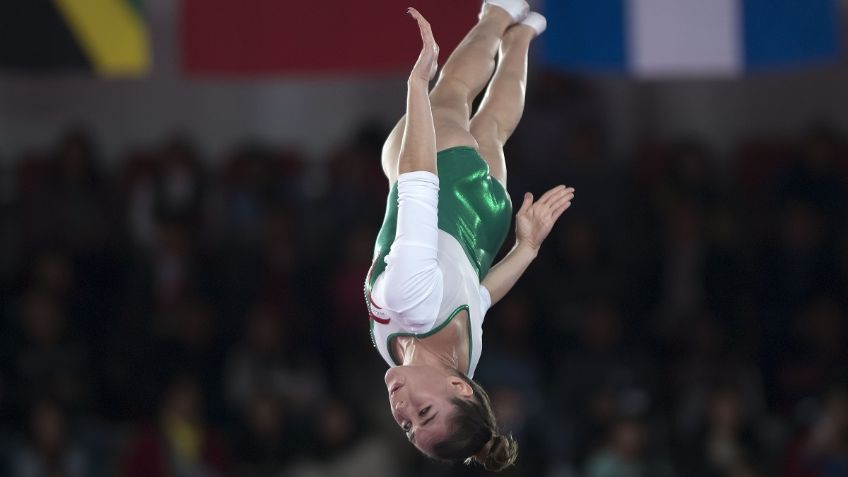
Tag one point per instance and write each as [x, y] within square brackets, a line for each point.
[448, 417]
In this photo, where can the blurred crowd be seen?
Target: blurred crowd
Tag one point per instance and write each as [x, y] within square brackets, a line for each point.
[170, 314]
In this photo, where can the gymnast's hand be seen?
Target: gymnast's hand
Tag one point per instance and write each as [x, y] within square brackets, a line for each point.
[428, 61]
[534, 220]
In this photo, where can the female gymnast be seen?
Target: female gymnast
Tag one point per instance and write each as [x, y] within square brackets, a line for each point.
[447, 216]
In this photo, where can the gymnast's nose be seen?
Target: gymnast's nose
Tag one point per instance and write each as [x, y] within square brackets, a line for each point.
[400, 404]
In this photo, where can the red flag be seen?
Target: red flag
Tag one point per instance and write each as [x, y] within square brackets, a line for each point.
[262, 37]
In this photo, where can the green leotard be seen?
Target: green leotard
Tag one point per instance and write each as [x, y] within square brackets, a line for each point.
[474, 208]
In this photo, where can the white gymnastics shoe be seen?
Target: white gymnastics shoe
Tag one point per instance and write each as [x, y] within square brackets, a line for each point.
[517, 9]
[536, 21]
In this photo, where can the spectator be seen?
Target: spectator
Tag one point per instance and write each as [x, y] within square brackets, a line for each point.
[601, 378]
[269, 436]
[626, 454]
[823, 450]
[727, 443]
[819, 356]
[50, 449]
[47, 358]
[180, 443]
[224, 275]
[704, 360]
[814, 177]
[266, 358]
[340, 448]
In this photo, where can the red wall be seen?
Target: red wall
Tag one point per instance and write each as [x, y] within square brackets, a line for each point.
[266, 37]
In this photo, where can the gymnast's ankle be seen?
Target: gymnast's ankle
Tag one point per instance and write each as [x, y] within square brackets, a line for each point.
[517, 9]
[536, 21]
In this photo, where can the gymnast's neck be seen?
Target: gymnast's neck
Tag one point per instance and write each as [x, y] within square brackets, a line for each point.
[415, 352]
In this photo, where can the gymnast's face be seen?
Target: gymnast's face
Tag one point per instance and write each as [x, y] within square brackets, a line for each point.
[420, 400]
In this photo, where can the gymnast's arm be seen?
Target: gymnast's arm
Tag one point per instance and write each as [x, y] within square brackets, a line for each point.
[533, 223]
[418, 146]
[411, 286]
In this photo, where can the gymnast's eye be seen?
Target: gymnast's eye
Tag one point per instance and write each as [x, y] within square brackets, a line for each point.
[406, 426]
[424, 411]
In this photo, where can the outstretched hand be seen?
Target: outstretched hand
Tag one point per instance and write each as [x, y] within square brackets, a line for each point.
[534, 220]
[533, 223]
[428, 60]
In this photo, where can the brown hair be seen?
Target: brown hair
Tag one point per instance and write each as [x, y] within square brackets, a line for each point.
[475, 436]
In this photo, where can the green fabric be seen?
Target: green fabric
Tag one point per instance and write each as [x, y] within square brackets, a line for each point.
[473, 207]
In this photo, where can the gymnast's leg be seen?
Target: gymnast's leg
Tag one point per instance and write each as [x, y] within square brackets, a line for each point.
[463, 76]
[503, 104]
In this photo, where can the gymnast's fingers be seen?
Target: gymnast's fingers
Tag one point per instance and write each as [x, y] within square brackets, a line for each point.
[557, 203]
[558, 211]
[552, 192]
[424, 27]
[528, 201]
[558, 196]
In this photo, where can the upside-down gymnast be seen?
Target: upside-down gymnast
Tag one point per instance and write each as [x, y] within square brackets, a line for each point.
[447, 215]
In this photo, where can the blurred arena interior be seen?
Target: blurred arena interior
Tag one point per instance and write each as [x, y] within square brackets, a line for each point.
[182, 256]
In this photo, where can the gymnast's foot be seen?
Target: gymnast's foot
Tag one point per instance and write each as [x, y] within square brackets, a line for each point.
[517, 9]
[536, 21]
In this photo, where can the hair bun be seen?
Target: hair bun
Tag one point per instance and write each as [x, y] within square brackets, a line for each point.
[502, 452]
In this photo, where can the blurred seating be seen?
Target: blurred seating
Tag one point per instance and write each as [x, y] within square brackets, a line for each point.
[183, 315]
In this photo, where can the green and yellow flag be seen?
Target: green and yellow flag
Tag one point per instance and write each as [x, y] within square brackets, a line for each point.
[108, 36]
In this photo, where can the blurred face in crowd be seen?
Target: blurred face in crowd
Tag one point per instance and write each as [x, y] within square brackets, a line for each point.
[265, 416]
[822, 325]
[580, 245]
[74, 155]
[726, 411]
[183, 401]
[264, 333]
[801, 228]
[420, 400]
[836, 408]
[43, 322]
[47, 424]
[52, 271]
[509, 406]
[601, 328]
[629, 439]
[819, 153]
[336, 424]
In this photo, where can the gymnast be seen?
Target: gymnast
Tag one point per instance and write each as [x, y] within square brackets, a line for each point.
[447, 215]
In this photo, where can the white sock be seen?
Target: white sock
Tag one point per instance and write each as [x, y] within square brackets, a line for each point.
[517, 9]
[536, 21]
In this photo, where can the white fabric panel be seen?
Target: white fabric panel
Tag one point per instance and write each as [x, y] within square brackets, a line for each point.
[684, 37]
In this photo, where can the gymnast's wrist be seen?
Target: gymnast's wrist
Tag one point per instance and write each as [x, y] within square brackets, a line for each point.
[526, 249]
[416, 81]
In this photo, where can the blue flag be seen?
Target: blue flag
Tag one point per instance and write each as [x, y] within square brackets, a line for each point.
[674, 38]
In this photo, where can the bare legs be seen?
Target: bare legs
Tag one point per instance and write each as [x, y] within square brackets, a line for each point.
[463, 76]
[503, 105]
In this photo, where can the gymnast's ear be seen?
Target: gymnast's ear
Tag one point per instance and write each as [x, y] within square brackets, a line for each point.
[458, 385]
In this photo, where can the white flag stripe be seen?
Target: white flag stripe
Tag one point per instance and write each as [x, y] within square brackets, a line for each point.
[684, 37]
